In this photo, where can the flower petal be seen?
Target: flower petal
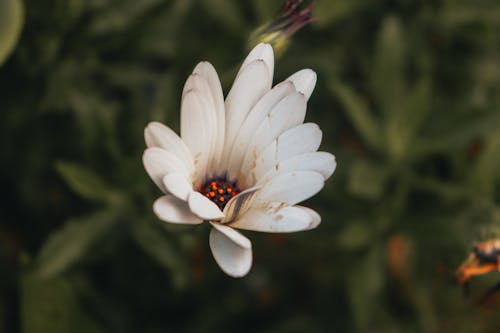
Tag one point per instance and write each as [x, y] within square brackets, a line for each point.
[301, 139]
[168, 208]
[159, 162]
[289, 112]
[207, 71]
[178, 184]
[226, 245]
[262, 51]
[203, 207]
[235, 236]
[278, 217]
[304, 81]
[290, 188]
[158, 135]
[320, 162]
[239, 204]
[198, 126]
[252, 83]
[250, 125]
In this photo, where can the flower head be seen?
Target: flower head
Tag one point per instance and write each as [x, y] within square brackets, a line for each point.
[242, 163]
[294, 15]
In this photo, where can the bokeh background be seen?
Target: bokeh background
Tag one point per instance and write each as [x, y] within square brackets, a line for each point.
[408, 97]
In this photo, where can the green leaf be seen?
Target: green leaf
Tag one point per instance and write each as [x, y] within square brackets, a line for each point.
[387, 77]
[487, 167]
[11, 23]
[72, 241]
[226, 13]
[86, 183]
[51, 306]
[403, 126]
[152, 240]
[364, 284]
[367, 179]
[355, 235]
[120, 15]
[452, 130]
[327, 13]
[357, 110]
[266, 10]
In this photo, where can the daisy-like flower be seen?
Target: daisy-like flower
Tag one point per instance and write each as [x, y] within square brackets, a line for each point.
[242, 163]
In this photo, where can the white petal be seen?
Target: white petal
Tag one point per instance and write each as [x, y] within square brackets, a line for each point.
[247, 131]
[178, 184]
[159, 162]
[320, 162]
[171, 209]
[278, 218]
[234, 235]
[304, 81]
[301, 139]
[248, 88]
[316, 218]
[263, 52]
[204, 207]
[239, 204]
[289, 112]
[197, 128]
[207, 71]
[290, 188]
[158, 135]
[232, 258]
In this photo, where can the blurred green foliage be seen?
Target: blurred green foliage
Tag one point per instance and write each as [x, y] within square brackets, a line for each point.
[408, 98]
[11, 22]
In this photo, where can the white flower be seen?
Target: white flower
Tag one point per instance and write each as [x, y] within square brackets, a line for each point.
[243, 163]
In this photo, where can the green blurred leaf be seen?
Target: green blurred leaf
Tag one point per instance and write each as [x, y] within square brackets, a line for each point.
[451, 130]
[367, 179]
[265, 9]
[327, 13]
[86, 183]
[11, 22]
[407, 122]
[51, 306]
[357, 110]
[355, 235]
[364, 285]
[152, 240]
[487, 169]
[226, 13]
[387, 79]
[67, 245]
[120, 15]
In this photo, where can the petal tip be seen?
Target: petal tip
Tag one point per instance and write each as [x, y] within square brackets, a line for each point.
[233, 259]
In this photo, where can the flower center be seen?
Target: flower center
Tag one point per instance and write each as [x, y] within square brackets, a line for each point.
[219, 190]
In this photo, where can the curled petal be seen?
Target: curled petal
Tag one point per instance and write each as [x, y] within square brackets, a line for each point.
[232, 251]
[239, 205]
